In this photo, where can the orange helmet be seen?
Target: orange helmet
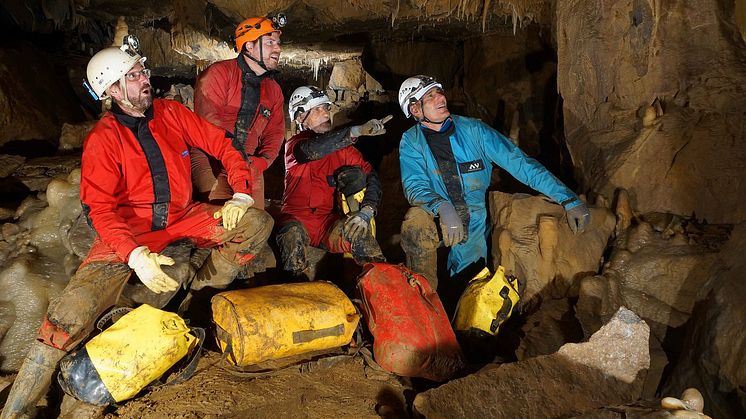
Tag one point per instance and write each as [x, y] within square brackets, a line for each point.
[252, 28]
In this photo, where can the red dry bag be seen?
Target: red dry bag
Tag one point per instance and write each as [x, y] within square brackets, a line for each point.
[412, 335]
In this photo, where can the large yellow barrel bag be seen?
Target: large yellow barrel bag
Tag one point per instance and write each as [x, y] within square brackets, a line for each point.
[487, 302]
[277, 321]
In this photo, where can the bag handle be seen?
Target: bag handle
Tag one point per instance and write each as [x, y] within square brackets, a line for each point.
[414, 282]
[113, 312]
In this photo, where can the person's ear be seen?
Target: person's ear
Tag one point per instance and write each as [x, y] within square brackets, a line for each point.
[415, 110]
[114, 91]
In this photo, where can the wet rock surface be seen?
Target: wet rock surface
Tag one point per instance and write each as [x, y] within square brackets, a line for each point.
[608, 369]
[634, 120]
[712, 358]
[531, 239]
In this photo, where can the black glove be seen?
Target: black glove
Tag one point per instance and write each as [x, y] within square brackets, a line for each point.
[578, 218]
[450, 224]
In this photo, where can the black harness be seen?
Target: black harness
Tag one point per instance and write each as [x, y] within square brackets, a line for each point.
[440, 145]
[156, 163]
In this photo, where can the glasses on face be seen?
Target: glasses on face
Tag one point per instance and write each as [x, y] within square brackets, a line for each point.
[324, 106]
[135, 75]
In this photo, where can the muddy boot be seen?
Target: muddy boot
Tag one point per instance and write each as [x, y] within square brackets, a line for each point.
[263, 260]
[217, 272]
[32, 381]
[366, 250]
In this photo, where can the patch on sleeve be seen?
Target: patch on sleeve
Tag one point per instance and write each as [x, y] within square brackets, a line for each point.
[185, 153]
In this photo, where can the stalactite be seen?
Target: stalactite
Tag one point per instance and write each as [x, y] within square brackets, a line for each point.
[485, 11]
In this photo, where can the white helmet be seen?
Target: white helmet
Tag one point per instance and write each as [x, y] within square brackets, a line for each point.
[413, 89]
[109, 65]
[304, 99]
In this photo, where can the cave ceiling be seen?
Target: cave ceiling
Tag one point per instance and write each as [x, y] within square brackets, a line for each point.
[199, 32]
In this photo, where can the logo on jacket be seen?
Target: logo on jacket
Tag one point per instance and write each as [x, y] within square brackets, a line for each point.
[471, 166]
[185, 153]
[264, 111]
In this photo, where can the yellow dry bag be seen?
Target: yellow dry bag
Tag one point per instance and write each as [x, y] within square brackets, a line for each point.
[487, 302]
[123, 359]
[277, 321]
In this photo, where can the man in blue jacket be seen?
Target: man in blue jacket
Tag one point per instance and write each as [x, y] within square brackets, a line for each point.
[446, 165]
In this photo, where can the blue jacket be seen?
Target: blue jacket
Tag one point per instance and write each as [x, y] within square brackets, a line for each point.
[476, 146]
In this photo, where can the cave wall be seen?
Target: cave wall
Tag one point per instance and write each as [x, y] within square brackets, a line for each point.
[35, 96]
[654, 103]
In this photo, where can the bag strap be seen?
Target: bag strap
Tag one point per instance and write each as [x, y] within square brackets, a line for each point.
[415, 283]
[113, 312]
[188, 371]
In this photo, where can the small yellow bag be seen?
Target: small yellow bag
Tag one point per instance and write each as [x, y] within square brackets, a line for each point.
[133, 352]
[277, 321]
[487, 302]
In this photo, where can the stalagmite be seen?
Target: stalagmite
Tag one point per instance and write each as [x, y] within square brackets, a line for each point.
[623, 212]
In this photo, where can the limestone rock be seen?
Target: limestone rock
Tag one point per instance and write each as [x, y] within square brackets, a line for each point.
[658, 277]
[531, 239]
[27, 286]
[6, 213]
[9, 163]
[72, 135]
[712, 358]
[37, 173]
[347, 75]
[182, 93]
[34, 100]
[683, 153]
[608, 369]
[547, 329]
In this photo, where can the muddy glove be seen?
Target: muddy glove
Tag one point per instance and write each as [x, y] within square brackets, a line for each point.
[359, 223]
[578, 218]
[147, 266]
[234, 209]
[450, 224]
[372, 127]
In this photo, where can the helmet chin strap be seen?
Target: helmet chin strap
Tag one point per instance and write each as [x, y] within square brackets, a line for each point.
[260, 61]
[425, 118]
[125, 100]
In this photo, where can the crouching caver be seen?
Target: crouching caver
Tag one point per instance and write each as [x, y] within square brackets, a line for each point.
[136, 191]
[319, 165]
[446, 165]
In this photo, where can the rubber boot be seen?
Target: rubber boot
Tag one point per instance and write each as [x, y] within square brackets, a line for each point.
[217, 272]
[32, 381]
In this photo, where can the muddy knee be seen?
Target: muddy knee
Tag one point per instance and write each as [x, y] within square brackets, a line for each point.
[292, 240]
[418, 232]
[258, 225]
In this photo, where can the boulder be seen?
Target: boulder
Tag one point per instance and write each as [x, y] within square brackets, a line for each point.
[658, 277]
[712, 357]
[608, 369]
[72, 135]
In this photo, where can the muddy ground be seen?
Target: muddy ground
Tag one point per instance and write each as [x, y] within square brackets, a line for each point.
[348, 388]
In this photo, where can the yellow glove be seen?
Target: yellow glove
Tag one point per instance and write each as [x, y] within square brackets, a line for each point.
[233, 210]
[147, 266]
